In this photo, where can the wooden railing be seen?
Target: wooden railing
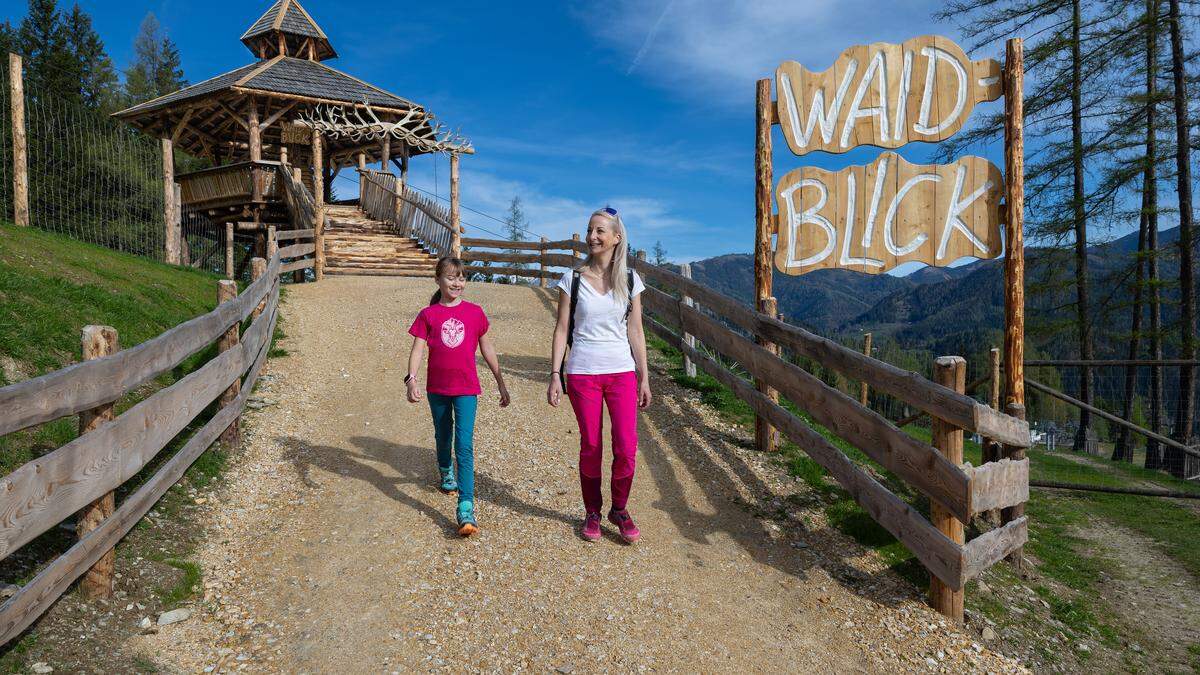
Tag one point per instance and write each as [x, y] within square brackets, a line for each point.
[957, 491]
[473, 256]
[411, 214]
[82, 475]
[302, 210]
[229, 185]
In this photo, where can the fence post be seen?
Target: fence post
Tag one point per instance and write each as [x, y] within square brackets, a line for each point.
[766, 437]
[16, 97]
[185, 252]
[170, 233]
[864, 389]
[1011, 513]
[575, 249]
[227, 292]
[950, 372]
[318, 205]
[689, 367]
[1014, 254]
[97, 342]
[455, 217]
[542, 263]
[258, 267]
[229, 250]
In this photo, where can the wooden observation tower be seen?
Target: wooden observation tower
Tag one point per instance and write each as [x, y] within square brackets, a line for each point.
[278, 131]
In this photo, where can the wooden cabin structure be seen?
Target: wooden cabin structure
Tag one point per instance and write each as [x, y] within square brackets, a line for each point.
[279, 130]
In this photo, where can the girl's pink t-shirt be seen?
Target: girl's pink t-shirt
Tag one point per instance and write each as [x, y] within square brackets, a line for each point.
[453, 336]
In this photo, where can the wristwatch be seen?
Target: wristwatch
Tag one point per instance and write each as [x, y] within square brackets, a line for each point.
[408, 378]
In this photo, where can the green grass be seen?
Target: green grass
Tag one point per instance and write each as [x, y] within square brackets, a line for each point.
[188, 585]
[52, 286]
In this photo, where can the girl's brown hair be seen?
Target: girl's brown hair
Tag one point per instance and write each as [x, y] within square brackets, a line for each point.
[447, 265]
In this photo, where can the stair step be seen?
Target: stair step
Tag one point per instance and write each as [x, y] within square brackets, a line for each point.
[379, 265]
[349, 271]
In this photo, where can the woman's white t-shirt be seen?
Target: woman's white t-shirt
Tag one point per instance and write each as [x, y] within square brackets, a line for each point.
[601, 344]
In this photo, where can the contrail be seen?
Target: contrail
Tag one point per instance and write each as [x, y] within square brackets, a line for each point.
[649, 38]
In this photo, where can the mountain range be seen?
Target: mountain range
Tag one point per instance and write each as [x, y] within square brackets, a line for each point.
[944, 309]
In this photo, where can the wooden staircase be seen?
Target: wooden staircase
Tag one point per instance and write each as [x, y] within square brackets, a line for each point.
[356, 244]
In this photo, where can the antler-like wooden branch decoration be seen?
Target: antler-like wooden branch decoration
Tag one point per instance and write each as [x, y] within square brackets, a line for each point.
[417, 128]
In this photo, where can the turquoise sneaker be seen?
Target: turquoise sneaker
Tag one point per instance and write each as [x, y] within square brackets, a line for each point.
[448, 482]
[466, 519]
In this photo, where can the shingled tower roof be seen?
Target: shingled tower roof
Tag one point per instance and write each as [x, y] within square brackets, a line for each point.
[285, 29]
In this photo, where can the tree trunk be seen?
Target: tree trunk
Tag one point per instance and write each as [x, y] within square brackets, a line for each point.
[1080, 221]
[1185, 408]
[1123, 450]
[1153, 450]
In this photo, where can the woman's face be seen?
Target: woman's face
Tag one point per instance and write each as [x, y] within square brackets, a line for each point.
[601, 235]
[452, 283]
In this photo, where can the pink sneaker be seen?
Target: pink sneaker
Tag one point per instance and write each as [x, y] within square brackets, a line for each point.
[624, 522]
[591, 526]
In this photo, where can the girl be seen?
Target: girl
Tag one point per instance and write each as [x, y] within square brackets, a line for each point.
[600, 316]
[451, 328]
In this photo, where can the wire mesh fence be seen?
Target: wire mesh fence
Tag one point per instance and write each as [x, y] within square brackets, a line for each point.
[90, 177]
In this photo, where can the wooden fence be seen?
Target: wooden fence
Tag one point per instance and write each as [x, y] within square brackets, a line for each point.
[303, 213]
[956, 491]
[80, 477]
[383, 197]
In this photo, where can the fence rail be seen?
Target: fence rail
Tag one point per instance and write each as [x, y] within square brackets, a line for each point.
[109, 451]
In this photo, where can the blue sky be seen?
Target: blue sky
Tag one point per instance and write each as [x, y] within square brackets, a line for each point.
[644, 105]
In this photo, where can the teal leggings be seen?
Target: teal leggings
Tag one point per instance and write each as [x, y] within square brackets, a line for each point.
[454, 425]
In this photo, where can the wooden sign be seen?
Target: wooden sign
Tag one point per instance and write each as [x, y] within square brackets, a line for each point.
[883, 94]
[295, 134]
[875, 217]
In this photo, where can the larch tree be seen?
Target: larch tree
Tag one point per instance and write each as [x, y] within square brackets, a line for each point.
[155, 69]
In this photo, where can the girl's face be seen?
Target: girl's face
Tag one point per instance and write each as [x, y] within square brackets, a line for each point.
[452, 283]
[601, 235]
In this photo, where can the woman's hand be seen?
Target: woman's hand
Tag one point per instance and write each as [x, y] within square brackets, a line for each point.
[504, 397]
[644, 396]
[414, 391]
[554, 391]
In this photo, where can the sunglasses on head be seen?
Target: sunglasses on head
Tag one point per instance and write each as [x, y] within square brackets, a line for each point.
[610, 210]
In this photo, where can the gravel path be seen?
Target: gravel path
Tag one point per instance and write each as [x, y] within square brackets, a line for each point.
[331, 550]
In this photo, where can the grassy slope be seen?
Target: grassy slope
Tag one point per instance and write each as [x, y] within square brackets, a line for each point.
[51, 286]
[1063, 558]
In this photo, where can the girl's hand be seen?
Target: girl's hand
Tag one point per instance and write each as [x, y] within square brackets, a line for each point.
[554, 391]
[644, 395]
[504, 397]
[414, 391]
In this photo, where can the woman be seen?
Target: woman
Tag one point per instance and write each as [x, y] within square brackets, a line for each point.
[606, 366]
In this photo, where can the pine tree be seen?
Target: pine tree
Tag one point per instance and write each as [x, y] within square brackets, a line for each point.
[660, 253]
[51, 69]
[155, 70]
[1176, 462]
[98, 78]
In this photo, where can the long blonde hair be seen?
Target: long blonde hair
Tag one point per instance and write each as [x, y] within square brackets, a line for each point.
[618, 270]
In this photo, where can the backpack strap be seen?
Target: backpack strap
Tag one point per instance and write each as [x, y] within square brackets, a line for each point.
[562, 367]
[629, 305]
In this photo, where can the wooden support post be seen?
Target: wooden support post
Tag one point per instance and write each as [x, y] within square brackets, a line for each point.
[950, 372]
[361, 159]
[403, 166]
[319, 204]
[171, 236]
[258, 267]
[455, 216]
[864, 389]
[16, 99]
[542, 264]
[97, 582]
[229, 250]
[764, 434]
[689, 366]
[272, 242]
[1014, 259]
[283, 154]
[385, 154]
[255, 131]
[574, 249]
[766, 437]
[227, 292]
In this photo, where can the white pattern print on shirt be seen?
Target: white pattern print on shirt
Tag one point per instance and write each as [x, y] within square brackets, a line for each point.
[453, 332]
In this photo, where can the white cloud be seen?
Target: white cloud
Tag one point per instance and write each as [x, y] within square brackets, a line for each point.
[716, 50]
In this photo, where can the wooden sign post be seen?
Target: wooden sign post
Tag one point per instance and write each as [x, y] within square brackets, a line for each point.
[874, 217]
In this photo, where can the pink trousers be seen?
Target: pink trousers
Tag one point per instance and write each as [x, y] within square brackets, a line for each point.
[588, 394]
